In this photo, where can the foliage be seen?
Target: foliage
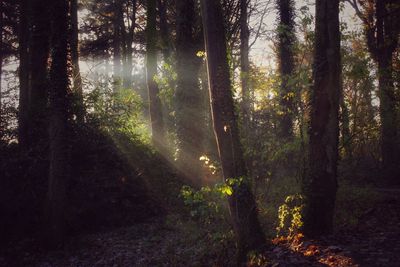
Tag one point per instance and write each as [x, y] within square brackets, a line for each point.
[290, 216]
[166, 80]
[206, 204]
[117, 112]
[256, 259]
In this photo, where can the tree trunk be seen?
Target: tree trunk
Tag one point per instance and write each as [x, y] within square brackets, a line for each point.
[34, 54]
[58, 128]
[23, 39]
[286, 37]
[1, 57]
[129, 49]
[188, 96]
[39, 58]
[117, 35]
[382, 34]
[76, 74]
[156, 116]
[244, 65]
[345, 122]
[242, 204]
[385, 44]
[164, 30]
[321, 184]
[387, 109]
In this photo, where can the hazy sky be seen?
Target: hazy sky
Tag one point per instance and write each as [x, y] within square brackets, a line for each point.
[261, 52]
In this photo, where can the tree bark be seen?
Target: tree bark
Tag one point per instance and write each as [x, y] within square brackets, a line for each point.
[245, 65]
[321, 184]
[1, 57]
[34, 54]
[58, 128]
[242, 204]
[128, 67]
[164, 29]
[383, 45]
[76, 74]
[345, 129]
[286, 37]
[23, 39]
[117, 41]
[387, 110]
[156, 116]
[39, 58]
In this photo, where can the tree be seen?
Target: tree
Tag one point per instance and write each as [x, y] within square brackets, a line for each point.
[23, 37]
[1, 51]
[244, 62]
[241, 203]
[39, 56]
[156, 116]
[128, 43]
[189, 115]
[358, 124]
[286, 40]
[58, 124]
[76, 73]
[164, 29]
[321, 182]
[34, 57]
[381, 20]
[118, 28]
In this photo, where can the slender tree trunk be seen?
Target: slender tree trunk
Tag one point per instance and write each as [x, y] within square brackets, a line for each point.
[387, 109]
[164, 29]
[242, 204]
[129, 49]
[188, 96]
[245, 65]
[321, 184]
[58, 128]
[117, 41]
[286, 36]
[156, 116]
[76, 74]
[346, 137]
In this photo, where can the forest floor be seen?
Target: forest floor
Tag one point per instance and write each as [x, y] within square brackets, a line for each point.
[173, 241]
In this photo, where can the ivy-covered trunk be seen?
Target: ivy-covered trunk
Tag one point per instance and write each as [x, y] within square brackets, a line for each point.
[320, 185]
[286, 39]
